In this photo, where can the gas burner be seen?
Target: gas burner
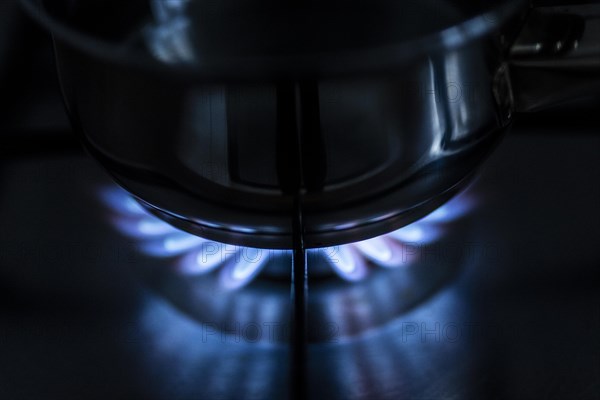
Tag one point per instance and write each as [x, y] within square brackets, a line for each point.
[243, 293]
[237, 266]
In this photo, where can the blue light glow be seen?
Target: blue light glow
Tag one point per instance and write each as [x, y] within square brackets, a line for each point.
[171, 245]
[376, 249]
[347, 263]
[120, 202]
[240, 265]
[151, 227]
[197, 263]
[242, 272]
[451, 211]
[419, 233]
[180, 242]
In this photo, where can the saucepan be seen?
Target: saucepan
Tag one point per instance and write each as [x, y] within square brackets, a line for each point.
[247, 121]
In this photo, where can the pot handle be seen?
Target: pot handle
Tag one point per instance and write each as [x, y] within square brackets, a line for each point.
[556, 57]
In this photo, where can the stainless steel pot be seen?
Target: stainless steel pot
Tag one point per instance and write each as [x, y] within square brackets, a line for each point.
[230, 119]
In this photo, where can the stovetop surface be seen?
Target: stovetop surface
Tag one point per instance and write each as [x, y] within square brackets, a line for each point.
[519, 320]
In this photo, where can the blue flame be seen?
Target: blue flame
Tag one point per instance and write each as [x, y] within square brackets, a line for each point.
[238, 274]
[390, 250]
[347, 263]
[237, 266]
[417, 233]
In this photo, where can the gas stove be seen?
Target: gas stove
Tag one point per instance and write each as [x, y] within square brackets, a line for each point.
[493, 295]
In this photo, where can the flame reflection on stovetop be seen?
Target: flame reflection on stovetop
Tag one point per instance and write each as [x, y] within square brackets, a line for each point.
[238, 265]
